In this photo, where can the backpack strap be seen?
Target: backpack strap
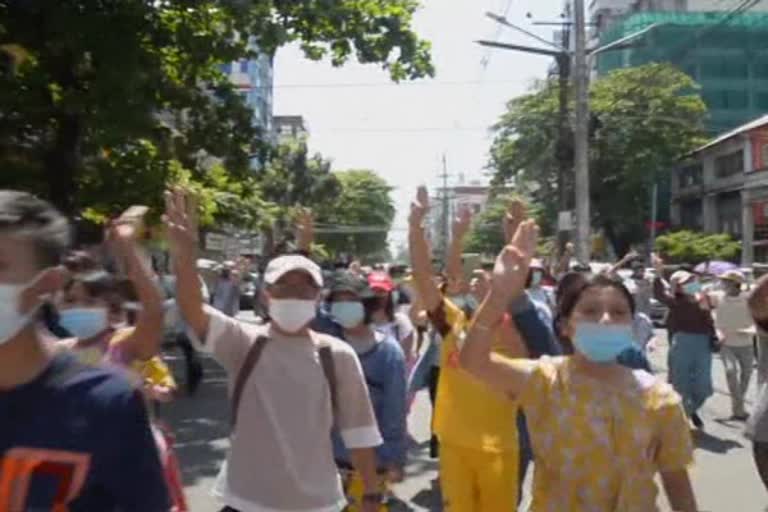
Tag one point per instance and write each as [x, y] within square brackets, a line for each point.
[251, 359]
[326, 361]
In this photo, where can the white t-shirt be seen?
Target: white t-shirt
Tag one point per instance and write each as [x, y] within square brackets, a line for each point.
[733, 319]
[281, 454]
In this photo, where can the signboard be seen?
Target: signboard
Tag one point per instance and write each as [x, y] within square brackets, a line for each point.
[215, 242]
[565, 221]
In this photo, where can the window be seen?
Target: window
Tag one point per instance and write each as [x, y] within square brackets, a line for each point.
[243, 66]
[729, 213]
[730, 164]
[761, 100]
[690, 175]
[760, 67]
[691, 214]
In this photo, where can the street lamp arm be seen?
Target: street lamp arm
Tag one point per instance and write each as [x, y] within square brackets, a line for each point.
[521, 48]
[501, 19]
[621, 44]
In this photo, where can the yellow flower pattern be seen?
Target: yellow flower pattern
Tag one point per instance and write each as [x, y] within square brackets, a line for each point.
[598, 447]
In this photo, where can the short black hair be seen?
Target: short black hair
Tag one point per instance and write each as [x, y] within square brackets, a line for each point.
[24, 215]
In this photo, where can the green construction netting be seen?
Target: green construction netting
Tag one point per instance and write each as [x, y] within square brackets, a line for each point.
[727, 55]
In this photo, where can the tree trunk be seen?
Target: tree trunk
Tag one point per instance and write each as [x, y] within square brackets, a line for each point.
[62, 163]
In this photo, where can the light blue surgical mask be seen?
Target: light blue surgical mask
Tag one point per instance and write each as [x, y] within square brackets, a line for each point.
[459, 301]
[692, 288]
[602, 343]
[536, 279]
[395, 297]
[348, 313]
[84, 323]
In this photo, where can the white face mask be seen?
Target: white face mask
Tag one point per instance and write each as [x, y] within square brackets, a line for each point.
[11, 320]
[348, 313]
[292, 315]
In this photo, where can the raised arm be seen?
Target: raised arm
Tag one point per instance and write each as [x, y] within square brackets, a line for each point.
[144, 341]
[420, 255]
[660, 292]
[305, 230]
[613, 270]
[454, 267]
[181, 222]
[565, 259]
[509, 276]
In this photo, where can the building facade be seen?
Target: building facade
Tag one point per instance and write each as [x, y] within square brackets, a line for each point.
[254, 80]
[723, 188]
[289, 127]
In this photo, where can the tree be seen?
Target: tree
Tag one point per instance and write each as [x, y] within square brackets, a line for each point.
[124, 91]
[359, 217]
[693, 248]
[487, 234]
[644, 120]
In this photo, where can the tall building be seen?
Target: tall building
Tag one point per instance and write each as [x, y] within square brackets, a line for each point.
[254, 80]
[289, 127]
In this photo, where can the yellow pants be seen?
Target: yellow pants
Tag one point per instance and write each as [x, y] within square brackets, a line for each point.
[475, 481]
[354, 489]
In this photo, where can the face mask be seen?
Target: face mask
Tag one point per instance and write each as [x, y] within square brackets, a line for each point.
[292, 315]
[395, 297]
[459, 301]
[11, 320]
[84, 323]
[348, 314]
[602, 343]
[692, 288]
[536, 279]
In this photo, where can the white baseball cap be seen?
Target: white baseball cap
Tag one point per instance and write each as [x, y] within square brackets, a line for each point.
[281, 265]
[681, 276]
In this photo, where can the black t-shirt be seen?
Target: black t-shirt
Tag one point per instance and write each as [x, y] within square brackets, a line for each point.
[79, 436]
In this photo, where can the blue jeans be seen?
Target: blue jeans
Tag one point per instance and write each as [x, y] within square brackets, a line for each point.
[690, 369]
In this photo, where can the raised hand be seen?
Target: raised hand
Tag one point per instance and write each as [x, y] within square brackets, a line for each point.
[305, 228]
[657, 262]
[419, 207]
[462, 222]
[516, 213]
[181, 222]
[510, 272]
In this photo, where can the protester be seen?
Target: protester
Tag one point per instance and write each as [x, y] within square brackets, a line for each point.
[80, 438]
[384, 317]
[735, 327]
[606, 458]
[226, 291]
[692, 338]
[383, 363]
[757, 426]
[302, 374]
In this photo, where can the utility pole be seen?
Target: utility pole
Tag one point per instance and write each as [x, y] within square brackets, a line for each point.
[581, 134]
[446, 214]
[563, 150]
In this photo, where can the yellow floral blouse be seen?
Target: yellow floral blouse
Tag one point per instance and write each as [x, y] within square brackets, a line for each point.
[598, 447]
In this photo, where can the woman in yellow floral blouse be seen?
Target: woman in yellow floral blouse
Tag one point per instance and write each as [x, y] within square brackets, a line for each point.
[600, 432]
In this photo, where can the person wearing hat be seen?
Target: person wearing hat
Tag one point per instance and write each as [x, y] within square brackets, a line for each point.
[735, 326]
[384, 317]
[352, 303]
[691, 333]
[281, 374]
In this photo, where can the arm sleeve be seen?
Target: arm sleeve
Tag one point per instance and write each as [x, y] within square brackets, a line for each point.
[136, 478]
[355, 419]
[406, 326]
[675, 448]
[227, 339]
[660, 293]
[393, 423]
[536, 332]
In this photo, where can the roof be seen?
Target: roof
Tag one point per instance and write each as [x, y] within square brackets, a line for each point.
[748, 127]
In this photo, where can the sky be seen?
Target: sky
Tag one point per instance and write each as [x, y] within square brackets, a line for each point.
[359, 119]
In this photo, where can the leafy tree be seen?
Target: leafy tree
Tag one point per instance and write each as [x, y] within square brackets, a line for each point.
[487, 236]
[359, 216]
[101, 94]
[693, 248]
[644, 119]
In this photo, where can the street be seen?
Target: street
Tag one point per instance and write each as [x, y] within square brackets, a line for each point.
[724, 475]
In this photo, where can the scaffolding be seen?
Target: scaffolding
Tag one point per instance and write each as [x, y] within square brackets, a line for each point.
[726, 55]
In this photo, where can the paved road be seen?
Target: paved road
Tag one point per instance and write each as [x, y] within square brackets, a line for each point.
[724, 476]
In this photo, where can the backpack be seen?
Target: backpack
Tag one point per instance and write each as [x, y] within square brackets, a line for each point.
[251, 360]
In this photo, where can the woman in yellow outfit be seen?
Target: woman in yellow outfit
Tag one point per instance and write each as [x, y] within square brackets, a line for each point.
[476, 427]
[601, 432]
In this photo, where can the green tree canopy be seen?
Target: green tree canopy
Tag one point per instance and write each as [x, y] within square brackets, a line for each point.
[693, 248]
[357, 219]
[105, 101]
[644, 120]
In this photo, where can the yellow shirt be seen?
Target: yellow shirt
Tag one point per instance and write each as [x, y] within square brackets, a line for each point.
[153, 372]
[468, 413]
[598, 447]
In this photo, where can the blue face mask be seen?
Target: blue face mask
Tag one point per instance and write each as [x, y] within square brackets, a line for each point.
[692, 288]
[84, 323]
[348, 314]
[535, 279]
[459, 301]
[395, 297]
[602, 343]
